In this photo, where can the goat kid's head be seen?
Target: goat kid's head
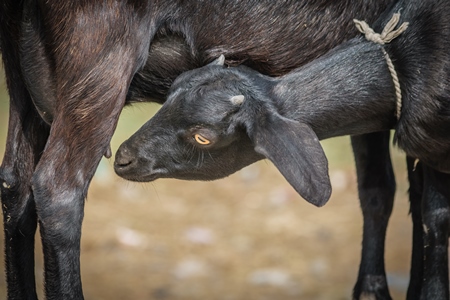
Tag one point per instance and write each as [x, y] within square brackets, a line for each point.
[216, 121]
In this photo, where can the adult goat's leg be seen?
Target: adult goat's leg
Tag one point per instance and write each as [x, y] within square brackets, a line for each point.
[25, 141]
[93, 67]
[436, 218]
[60, 182]
[376, 187]
[79, 136]
[415, 175]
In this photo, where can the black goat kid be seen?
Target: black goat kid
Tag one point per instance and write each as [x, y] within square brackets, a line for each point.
[72, 65]
[217, 120]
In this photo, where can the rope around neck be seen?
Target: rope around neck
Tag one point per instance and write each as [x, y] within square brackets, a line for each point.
[386, 36]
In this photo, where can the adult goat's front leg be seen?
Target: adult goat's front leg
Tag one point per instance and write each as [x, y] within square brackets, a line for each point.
[376, 187]
[415, 175]
[436, 229]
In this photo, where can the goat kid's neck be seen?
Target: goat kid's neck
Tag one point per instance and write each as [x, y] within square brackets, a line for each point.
[349, 91]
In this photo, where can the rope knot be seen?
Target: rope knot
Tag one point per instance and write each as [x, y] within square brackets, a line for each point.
[387, 35]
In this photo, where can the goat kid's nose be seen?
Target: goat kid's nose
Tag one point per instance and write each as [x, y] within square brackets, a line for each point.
[123, 159]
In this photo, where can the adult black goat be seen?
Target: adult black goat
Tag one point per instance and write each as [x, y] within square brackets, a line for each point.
[72, 65]
[217, 120]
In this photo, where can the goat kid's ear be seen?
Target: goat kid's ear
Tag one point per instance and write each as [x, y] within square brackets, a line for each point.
[220, 61]
[295, 150]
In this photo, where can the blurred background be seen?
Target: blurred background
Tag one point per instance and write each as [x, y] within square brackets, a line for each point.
[249, 236]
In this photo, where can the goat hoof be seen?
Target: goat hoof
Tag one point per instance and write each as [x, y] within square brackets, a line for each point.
[372, 287]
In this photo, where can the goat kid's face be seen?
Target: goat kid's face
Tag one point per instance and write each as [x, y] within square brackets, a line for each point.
[215, 122]
[193, 136]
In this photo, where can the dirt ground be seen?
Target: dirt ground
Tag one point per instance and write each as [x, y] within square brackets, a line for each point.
[247, 237]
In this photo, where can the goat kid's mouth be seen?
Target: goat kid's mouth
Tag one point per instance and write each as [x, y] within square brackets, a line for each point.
[139, 174]
[140, 178]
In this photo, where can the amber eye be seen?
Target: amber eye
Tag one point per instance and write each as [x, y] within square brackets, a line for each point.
[201, 140]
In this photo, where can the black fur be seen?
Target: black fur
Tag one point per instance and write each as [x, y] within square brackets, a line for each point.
[72, 65]
[347, 91]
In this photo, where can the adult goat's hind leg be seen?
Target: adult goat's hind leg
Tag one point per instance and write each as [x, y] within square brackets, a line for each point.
[93, 62]
[26, 139]
[376, 187]
[60, 184]
[79, 137]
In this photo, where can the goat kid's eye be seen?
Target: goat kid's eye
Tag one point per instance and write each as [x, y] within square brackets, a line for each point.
[201, 139]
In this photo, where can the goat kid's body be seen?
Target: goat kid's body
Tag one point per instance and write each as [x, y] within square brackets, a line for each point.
[347, 91]
[70, 68]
